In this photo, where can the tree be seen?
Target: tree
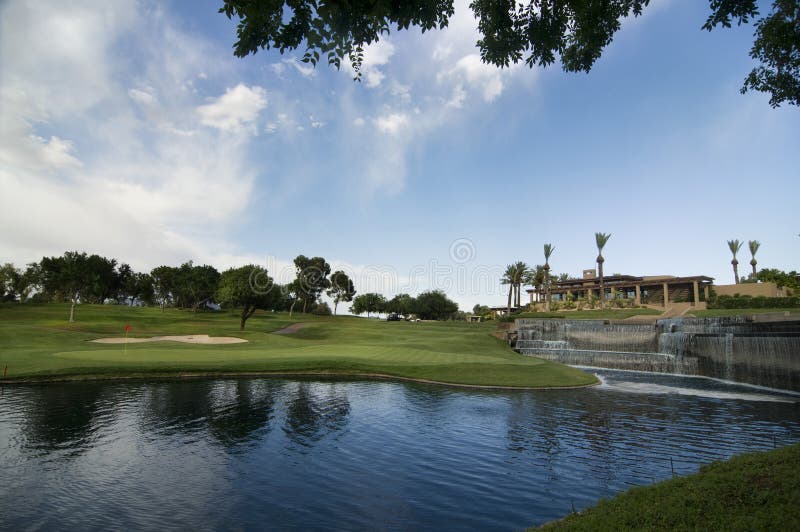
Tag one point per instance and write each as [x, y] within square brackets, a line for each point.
[103, 279]
[312, 278]
[163, 283]
[520, 275]
[536, 278]
[294, 293]
[369, 302]
[601, 239]
[341, 289]
[9, 282]
[539, 32]
[249, 288]
[508, 278]
[734, 246]
[777, 48]
[401, 304]
[753, 245]
[138, 287]
[31, 281]
[481, 310]
[193, 286]
[67, 277]
[780, 278]
[434, 305]
[548, 250]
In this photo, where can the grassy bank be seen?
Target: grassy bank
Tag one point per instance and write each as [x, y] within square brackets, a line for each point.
[756, 491]
[37, 342]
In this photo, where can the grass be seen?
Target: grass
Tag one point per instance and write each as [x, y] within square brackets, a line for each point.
[37, 342]
[605, 314]
[756, 491]
[739, 311]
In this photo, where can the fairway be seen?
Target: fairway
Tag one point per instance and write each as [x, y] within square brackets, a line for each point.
[37, 342]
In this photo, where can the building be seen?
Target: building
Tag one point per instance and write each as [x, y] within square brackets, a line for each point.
[502, 311]
[660, 290]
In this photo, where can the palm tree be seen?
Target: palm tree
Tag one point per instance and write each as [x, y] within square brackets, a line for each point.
[508, 278]
[548, 250]
[601, 239]
[754, 245]
[734, 246]
[520, 276]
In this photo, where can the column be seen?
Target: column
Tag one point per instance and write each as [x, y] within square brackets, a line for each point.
[613, 293]
[705, 291]
[666, 295]
[696, 293]
[638, 300]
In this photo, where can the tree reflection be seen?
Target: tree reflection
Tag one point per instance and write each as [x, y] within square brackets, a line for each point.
[177, 407]
[312, 415]
[62, 416]
[244, 414]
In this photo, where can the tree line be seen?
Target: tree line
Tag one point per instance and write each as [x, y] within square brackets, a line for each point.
[431, 305]
[76, 277]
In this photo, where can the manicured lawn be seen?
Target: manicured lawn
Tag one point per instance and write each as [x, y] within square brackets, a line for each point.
[36, 341]
[605, 314]
[756, 491]
[740, 311]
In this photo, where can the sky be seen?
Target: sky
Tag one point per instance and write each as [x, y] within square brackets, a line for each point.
[129, 129]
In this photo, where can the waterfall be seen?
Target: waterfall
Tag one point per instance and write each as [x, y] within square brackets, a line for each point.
[738, 348]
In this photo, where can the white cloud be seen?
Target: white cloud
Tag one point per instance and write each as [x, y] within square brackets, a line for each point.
[304, 69]
[144, 97]
[479, 75]
[376, 55]
[358, 122]
[458, 97]
[56, 153]
[237, 108]
[278, 69]
[391, 123]
[147, 187]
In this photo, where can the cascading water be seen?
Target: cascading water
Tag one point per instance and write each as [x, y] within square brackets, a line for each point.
[765, 353]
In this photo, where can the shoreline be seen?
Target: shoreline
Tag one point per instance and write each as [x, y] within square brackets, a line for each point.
[249, 374]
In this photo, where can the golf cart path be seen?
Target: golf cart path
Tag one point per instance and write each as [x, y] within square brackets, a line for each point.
[291, 329]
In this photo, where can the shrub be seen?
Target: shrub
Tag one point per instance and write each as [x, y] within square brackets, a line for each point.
[741, 302]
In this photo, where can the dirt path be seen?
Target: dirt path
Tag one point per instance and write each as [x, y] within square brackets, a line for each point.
[291, 329]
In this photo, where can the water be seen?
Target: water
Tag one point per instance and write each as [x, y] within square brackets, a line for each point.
[765, 353]
[283, 454]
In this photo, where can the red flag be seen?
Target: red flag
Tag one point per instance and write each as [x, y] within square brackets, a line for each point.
[127, 328]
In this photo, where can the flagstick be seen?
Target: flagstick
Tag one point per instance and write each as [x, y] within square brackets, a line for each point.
[125, 345]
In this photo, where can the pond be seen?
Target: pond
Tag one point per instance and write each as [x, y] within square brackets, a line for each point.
[348, 454]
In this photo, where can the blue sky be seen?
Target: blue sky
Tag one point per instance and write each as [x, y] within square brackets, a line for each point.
[129, 129]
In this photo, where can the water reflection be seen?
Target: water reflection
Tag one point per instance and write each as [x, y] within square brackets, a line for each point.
[355, 455]
[176, 408]
[243, 411]
[313, 412]
[62, 417]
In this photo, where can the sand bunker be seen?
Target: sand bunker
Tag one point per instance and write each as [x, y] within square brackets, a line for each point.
[191, 339]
